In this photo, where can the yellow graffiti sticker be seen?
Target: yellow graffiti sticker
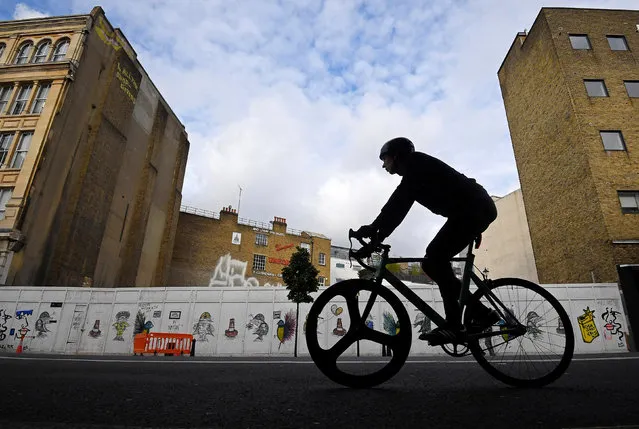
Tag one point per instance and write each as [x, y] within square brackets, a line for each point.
[587, 325]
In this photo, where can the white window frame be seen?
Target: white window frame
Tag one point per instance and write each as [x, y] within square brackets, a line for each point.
[22, 148]
[24, 53]
[2, 48]
[321, 280]
[5, 145]
[623, 40]
[61, 48]
[259, 261]
[612, 140]
[5, 196]
[574, 38]
[5, 96]
[22, 99]
[38, 56]
[261, 239]
[598, 81]
[322, 259]
[306, 246]
[40, 98]
[626, 197]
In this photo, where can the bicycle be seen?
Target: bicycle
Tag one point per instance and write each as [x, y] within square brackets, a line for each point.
[532, 321]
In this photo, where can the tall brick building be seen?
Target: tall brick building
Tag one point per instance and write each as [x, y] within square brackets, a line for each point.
[571, 92]
[92, 158]
[222, 249]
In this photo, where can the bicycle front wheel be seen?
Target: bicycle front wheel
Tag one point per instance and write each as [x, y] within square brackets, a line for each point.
[533, 344]
[354, 350]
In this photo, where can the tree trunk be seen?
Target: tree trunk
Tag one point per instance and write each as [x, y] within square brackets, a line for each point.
[297, 321]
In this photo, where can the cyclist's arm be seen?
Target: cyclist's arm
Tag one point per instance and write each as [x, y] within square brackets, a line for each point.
[394, 211]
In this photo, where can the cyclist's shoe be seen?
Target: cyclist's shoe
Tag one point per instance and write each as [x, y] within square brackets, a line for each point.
[484, 321]
[444, 335]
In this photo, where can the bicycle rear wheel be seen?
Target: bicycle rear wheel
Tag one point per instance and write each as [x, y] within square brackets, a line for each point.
[534, 342]
[338, 336]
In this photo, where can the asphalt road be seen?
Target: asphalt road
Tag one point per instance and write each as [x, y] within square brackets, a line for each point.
[144, 392]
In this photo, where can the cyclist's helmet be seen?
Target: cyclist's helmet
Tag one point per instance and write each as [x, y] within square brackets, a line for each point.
[397, 146]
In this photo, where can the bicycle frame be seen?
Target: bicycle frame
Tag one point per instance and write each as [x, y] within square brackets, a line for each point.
[382, 273]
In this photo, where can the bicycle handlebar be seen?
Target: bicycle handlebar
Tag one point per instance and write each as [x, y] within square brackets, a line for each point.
[367, 249]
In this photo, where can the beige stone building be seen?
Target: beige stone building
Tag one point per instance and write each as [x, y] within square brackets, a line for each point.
[506, 249]
[222, 249]
[92, 158]
[571, 92]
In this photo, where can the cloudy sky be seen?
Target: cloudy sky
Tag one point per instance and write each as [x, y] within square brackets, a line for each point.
[292, 99]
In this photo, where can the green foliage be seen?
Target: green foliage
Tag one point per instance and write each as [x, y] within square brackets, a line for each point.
[416, 270]
[300, 277]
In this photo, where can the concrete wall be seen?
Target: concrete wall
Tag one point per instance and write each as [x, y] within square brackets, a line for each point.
[506, 249]
[244, 320]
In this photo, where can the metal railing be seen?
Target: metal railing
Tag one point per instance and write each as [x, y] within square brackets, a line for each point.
[200, 212]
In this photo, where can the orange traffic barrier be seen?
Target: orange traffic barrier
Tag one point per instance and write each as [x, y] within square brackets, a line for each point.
[160, 342]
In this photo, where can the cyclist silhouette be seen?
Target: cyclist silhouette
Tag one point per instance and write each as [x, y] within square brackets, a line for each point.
[446, 192]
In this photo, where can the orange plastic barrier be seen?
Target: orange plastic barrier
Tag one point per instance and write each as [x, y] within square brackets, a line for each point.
[161, 342]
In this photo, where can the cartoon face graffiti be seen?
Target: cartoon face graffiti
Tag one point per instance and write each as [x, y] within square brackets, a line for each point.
[120, 325]
[41, 324]
[259, 326]
[423, 323]
[204, 327]
[612, 328]
[533, 320]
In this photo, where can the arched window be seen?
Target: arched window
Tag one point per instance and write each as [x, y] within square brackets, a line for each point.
[2, 46]
[24, 53]
[42, 52]
[60, 50]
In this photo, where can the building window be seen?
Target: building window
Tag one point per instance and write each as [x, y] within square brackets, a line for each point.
[339, 265]
[579, 41]
[40, 98]
[21, 100]
[261, 240]
[596, 88]
[24, 53]
[617, 43]
[5, 93]
[5, 144]
[629, 201]
[321, 281]
[259, 262]
[306, 246]
[632, 87]
[60, 51]
[612, 140]
[2, 46]
[322, 259]
[21, 151]
[5, 196]
[42, 52]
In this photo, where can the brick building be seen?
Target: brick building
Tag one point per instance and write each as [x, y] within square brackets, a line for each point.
[222, 249]
[92, 158]
[571, 92]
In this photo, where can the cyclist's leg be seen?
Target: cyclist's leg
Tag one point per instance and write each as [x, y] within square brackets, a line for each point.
[451, 239]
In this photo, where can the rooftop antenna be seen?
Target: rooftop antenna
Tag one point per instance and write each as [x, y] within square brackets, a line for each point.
[239, 200]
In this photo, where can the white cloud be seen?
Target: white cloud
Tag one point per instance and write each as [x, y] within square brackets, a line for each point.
[22, 11]
[292, 99]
